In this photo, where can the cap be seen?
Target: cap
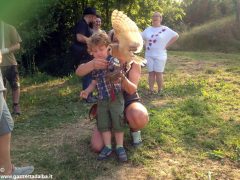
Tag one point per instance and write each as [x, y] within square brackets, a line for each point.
[90, 10]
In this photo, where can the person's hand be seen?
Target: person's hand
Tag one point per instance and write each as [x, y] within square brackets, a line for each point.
[84, 94]
[115, 77]
[4, 51]
[99, 63]
[120, 78]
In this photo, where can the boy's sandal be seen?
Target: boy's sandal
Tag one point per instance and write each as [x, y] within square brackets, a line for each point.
[122, 155]
[105, 153]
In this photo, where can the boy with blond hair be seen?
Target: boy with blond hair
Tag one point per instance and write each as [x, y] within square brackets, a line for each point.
[110, 111]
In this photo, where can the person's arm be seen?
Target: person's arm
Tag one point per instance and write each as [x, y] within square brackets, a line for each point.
[86, 68]
[172, 41]
[130, 84]
[10, 49]
[81, 38]
[15, 41]
[84, 94]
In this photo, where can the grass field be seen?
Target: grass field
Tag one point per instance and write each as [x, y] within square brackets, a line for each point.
[193, 133]
[219, 35]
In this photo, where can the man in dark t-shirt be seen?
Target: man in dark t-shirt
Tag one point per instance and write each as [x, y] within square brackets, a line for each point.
[82, 32]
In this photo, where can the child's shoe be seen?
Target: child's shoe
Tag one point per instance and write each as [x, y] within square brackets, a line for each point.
[121, 153]
[105, 153]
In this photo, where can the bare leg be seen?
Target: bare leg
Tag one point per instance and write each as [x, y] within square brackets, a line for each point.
[137, 116]
[5, 158]
[151, 80]
[159, 79]
[119, 138]
[96, 141]
[107, 137]
[16, 96]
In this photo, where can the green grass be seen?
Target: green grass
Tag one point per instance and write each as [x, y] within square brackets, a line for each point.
[217, 35]
[197, 116]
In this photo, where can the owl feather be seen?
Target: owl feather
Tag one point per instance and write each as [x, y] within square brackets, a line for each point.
[128, 35]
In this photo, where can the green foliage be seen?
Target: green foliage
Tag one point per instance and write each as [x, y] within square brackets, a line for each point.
[201, 11]
[46, 27]
[216, 154]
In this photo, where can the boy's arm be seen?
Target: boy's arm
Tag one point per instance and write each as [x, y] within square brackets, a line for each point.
[86, 68]
[90, 88]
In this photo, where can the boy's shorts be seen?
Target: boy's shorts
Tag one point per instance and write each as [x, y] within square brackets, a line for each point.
[11, 74]
[110, 114]
[6, 121]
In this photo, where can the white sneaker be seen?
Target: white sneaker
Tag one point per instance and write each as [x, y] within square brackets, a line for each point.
[22, 170]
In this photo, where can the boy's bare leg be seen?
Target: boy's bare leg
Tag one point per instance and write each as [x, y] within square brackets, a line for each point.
[119, 138]
[107, 138]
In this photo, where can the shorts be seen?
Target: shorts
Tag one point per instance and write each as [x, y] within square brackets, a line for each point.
[10, 74]
[130, 98]
[6, 121]
[110, 114]
[156, 64]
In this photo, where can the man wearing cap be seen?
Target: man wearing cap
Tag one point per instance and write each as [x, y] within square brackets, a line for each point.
[81, 34]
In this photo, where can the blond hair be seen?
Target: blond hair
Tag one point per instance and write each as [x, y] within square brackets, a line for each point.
[98, 39]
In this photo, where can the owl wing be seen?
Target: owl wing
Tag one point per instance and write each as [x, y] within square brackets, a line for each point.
[127, 34]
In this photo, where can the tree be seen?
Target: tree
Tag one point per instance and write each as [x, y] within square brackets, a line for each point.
[46, 25]
[201, 11]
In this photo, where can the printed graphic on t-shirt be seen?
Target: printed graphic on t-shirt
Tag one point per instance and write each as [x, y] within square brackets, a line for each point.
[154, 38]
